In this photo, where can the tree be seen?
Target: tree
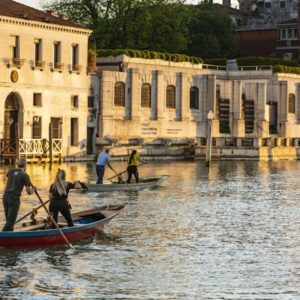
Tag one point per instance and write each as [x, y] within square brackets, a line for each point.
[211, 33]
[139, 24]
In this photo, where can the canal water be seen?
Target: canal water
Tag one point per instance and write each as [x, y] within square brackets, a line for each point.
[231, 232]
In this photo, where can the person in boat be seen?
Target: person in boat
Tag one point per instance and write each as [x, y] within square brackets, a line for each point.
[58, 195]
[132, 169]
[17, 178]
[103, 160]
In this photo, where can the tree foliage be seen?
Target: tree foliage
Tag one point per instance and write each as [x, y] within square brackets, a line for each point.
[158, 25]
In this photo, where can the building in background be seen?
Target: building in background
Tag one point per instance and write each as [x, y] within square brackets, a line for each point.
[153, 102]
[44, 83]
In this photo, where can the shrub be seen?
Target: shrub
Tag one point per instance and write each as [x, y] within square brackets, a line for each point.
[216, 61]
[149, 55]
[286, 69]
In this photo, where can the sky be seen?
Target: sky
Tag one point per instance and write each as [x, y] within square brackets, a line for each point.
[36, 3]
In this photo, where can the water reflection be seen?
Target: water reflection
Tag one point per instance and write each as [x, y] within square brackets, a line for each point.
[231, 232]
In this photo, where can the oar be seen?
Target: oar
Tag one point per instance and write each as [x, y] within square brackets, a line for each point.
[52, 219]
[117, 174]
[33, 211]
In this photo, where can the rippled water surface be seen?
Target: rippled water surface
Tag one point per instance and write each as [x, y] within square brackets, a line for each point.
[229, 233]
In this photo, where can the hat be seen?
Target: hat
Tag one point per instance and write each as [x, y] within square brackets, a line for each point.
[22, 162]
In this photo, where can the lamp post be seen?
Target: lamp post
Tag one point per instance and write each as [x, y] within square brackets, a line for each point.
[210, 117]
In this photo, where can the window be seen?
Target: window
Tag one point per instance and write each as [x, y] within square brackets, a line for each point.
[57, 55]
[37, 99]
[15, 46]
[91, 100]
[171, 96]
[224, 110]
[288, 33]
[249, 115]
[282, 4]
[292, 108]
[74, 101]
[74, 131]
[56, 128]
[75, 57]
[273, 116]
[194, 97]
[36, 127]
[267, 4]
[146, 95]
[38, 52]
[119, 99]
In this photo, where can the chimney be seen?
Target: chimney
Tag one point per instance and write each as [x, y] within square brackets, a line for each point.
[52, 12]
[226, 3]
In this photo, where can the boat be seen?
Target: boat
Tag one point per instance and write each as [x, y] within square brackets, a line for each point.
[144, 183]
[35, 233]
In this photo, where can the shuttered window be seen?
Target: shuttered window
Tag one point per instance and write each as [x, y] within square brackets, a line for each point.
[146, 95]
[292, 108]
[224, 109]
[74, 131]
[194, 97]
[171, 96]
[119, 99]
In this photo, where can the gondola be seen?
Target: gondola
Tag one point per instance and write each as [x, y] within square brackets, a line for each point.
[35, 233]
[144, 183]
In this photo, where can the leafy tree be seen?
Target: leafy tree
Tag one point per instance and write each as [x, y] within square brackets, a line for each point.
[211, 33]
[139, 24]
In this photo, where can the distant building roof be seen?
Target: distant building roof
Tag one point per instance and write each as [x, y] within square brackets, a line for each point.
[290, 21]
[14, 9]
[233, 11]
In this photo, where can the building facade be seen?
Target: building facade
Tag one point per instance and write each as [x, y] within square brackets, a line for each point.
[44, 83]
[153, 101]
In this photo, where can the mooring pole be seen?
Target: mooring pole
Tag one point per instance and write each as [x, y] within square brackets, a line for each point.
[50, 144]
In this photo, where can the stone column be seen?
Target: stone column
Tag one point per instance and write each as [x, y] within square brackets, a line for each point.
[106, 103]
[283, 109]
[185, 97]
[154, 95]
[260, 107]
[238, 124]
[133, 100]
[211, 93]
[298, 101]
[178, 105]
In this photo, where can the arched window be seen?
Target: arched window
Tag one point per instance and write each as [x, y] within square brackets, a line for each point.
[292, 108]
[171, 96]
[194, 97]
[119, 99]
[146, 95]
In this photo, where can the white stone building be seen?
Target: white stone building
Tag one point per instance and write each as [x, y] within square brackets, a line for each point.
[256, 112]
[44, 80]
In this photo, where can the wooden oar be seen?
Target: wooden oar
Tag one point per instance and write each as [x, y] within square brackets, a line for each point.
[118, 174]
[52, 219]
[33, 211]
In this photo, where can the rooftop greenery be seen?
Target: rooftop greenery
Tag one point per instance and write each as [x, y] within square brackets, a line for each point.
[150, 55]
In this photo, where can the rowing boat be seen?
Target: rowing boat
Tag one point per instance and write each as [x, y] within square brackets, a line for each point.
[35, 233]
[144, 183]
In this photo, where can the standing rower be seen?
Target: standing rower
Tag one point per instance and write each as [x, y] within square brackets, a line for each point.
[103, 160]
[17, 179]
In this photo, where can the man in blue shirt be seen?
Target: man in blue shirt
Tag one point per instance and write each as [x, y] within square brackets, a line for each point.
[103, 160]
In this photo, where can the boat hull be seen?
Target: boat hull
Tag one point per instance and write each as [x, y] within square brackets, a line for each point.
[112, 187]
[83, 229]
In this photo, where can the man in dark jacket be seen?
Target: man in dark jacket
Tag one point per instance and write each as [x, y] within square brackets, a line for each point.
[16, 180]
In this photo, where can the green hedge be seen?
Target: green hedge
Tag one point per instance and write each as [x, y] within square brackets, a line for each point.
[286, 69]
[263, 61]
[149, 55]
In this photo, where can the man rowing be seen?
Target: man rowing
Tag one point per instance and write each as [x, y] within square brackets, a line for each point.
[103, 160]
[17, 178]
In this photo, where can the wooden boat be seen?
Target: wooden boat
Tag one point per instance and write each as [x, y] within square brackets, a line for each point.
[34, 234]
[146, 182]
